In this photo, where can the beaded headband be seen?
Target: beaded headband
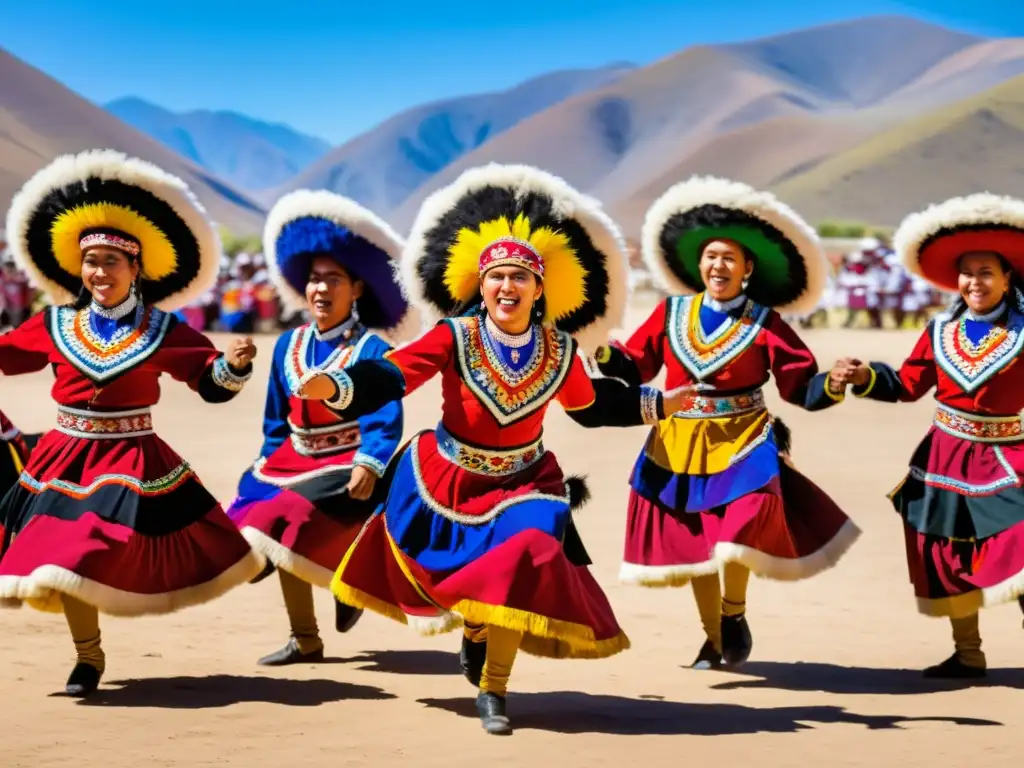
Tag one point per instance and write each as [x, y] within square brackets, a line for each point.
[510, 252]
[122, 243]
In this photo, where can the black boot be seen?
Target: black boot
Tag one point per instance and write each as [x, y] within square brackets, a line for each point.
[491, 709]
[345, 616]
[737, 642]
[84, 679]
[471, 659]
[291, 654]
[954, 669]
[708, 658]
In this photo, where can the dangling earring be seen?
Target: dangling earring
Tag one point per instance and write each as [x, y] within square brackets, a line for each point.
[136, 288]
[355, 311]
[746, 280]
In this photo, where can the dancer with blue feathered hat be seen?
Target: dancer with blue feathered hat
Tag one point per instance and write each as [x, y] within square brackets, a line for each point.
[305, 499]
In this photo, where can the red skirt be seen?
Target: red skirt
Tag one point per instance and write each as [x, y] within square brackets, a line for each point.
[962, 507]
[121, 523]
[787, 531]
[450, 544]
[295, 511]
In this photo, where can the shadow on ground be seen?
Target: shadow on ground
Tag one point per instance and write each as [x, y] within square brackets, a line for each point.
[224, 690]
[832, 678]
[578, 713]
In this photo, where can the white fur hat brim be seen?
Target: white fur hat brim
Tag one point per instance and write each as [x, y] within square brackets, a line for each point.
[981, 221]
[567, 203]
[306, 203]
[108, 165]
[712, 191]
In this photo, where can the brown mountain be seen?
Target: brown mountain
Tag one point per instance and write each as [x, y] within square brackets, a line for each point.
[767, 112]
[41, 119]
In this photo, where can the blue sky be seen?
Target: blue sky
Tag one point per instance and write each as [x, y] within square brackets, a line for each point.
[335, 69]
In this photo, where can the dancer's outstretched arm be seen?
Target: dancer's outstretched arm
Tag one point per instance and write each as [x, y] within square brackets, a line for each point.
[26, 349]
[611, 402]
[795, 370]
[879, 381]
[189, 356]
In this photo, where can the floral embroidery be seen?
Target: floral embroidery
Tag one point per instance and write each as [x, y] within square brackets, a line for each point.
[484, 461]
[703, 355]
[98, 359]
[704, 406]
[318, 441]
[971, 365]
[511, 395]
[97, 424]
[978, 428]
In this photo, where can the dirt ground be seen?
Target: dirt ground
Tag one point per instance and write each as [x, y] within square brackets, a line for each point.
[833, 679]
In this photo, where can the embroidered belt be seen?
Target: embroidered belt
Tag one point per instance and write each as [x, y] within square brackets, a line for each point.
[104, 424]
[318, 441]
[701, 406]
[486, 461]
[978, 428]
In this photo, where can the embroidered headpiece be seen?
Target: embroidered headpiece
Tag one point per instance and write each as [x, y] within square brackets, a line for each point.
[111, 238]
[509, 252]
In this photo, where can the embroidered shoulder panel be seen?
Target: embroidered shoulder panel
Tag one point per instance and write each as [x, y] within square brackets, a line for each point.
[970, 365]
[705, 354]
[510, 395]
[297, 353]
[99, 359]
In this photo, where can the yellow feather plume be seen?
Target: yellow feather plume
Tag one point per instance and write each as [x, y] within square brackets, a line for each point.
[564, 275]
[158, 256]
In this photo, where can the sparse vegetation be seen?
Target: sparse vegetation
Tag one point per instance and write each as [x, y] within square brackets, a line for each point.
[236, 244]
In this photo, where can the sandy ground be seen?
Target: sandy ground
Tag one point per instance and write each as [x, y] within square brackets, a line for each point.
[833, 679]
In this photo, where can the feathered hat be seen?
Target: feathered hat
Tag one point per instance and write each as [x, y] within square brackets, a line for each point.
[102, 197]
[789, 262]
[308, 223]
[516, 214]
[930, 242]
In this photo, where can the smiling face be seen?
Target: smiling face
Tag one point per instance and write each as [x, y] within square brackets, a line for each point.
[723, 267]
[509, 294]
[984, 280]
[108, 274]
[330, 292]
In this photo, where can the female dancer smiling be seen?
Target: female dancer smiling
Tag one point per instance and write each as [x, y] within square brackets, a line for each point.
[106, 517]
[305, 499]
[477, 512]
[962, 501]
[712, 491]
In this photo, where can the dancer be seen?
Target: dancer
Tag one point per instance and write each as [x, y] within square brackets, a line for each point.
[307, 496]
[106, 517]
[476, 510]
[713, 489]
[962, 501]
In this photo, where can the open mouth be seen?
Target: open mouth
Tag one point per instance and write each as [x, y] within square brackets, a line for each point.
[509, 303]
[718, 281]
[322, 305]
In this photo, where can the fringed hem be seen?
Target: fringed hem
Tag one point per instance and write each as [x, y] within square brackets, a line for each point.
[543, 636]
[286, 559]
[43, 587]
[665, 575]
[790, 569]
[762, 565]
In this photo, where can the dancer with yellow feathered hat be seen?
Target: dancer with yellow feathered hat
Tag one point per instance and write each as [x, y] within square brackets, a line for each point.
[524, 270]
[106, 517]
[712, 493]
